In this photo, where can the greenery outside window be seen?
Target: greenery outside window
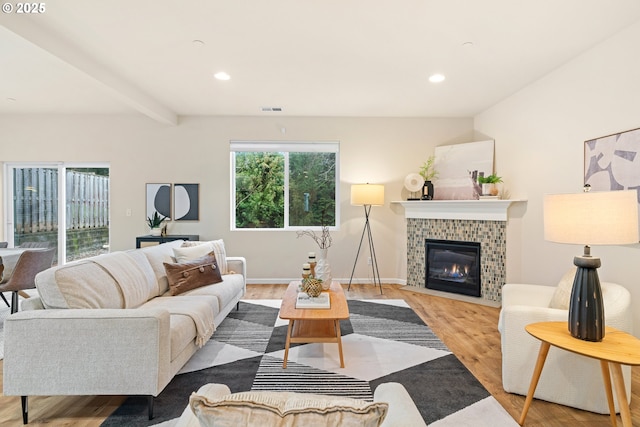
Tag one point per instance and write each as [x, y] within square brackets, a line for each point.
[284, 185]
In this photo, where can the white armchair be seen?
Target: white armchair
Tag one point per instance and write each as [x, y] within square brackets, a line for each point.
[567, 378]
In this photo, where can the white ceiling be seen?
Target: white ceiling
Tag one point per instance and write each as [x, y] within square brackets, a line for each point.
[311, 58]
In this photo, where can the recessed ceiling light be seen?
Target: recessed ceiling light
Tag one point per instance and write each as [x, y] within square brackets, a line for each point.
[467, 44]
[436, 78]
[197, 42]
[221, 75]
[11, 99]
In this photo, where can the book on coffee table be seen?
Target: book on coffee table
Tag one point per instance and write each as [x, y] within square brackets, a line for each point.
[305, 301]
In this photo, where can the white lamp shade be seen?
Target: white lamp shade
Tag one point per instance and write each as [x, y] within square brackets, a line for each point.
[592, 218]
[367, 194]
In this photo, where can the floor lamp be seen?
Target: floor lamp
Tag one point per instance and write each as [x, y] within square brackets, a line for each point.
[367, 195]
[590, 218]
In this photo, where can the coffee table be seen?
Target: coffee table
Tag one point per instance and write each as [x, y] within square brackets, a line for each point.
[309, 325]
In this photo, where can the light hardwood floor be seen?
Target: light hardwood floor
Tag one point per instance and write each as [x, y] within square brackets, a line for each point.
[469, 330]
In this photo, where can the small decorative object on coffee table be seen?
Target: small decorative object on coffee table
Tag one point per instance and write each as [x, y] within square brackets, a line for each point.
[313, 287]
[312, 263]
[317, 302]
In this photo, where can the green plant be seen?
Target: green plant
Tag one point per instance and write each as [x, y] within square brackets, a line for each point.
[491, 179]
[155, 221]
[427, 170]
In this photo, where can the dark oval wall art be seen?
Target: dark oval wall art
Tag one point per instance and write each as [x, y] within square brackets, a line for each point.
[159, 199]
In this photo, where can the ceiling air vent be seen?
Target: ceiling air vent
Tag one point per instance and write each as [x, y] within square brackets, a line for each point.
[271, 109]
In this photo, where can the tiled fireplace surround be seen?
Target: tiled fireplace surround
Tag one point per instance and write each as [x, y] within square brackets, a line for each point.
[490, 234]
[475, 220]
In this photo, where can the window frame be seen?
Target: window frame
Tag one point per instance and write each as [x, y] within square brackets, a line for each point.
[259, 146]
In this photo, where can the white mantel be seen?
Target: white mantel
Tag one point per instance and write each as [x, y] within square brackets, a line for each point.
[483, 209]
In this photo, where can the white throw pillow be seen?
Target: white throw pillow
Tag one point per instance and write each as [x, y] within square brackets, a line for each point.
[191, 250]
[183, 254]
[286, 409]
[562, 295]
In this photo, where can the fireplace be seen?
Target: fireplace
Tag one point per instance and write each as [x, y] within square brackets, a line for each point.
[453, 266]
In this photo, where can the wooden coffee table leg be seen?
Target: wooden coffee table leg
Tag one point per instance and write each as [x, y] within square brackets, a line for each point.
[287, 344]
[542, 357]
[339, 338]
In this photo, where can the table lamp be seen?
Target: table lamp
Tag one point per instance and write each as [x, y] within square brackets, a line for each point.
[367, 195]
[590, 218]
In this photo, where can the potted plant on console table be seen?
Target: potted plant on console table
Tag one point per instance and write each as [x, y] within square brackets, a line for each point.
[155, 223]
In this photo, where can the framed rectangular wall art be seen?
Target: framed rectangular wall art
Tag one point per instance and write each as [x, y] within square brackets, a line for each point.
[613, 162]
[158, 198]
[186, 202]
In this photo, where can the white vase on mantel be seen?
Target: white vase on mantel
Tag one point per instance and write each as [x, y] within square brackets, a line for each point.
[323, 269]
[157, 231]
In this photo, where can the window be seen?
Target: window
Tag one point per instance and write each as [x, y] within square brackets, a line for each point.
[284, 185]
[61, 205]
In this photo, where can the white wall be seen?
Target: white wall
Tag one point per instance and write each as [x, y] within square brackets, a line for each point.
[540, 133]
[197, 151]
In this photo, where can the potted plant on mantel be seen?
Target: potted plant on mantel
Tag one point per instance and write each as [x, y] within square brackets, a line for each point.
[489, 184]
[155, 223]
[428, 172]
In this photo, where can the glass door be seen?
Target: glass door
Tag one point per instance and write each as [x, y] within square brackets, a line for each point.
[58, 206]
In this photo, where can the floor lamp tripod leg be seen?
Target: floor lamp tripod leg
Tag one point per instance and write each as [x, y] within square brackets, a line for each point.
[374, 260]
[359, 247]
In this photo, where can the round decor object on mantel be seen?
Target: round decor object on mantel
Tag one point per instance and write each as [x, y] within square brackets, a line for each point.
[157, 231]
[323, 269]
[414, 183]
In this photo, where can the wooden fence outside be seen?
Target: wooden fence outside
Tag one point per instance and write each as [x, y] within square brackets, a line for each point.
[36, 200]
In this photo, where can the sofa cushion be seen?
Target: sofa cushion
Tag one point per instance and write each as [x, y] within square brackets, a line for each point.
[157, 256]
[562, 294]
[183, 324]
[264, 408]
[227, 294]
[217, 246]
[115, 280]
[187, 275]
[82, 284]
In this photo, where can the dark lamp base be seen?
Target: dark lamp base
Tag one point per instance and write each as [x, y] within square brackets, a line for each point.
[586, 309]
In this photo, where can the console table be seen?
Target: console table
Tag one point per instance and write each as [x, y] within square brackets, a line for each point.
[164, 239]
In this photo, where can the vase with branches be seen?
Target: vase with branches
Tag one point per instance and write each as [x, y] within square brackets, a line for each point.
[428, 172]
[324, 241]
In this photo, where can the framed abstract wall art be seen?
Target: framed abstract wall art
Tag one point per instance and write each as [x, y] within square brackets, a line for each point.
[158, 198]
[613, 162]
[186, 202]
[458, 168]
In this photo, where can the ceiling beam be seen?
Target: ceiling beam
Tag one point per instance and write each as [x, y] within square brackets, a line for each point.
[65, 51]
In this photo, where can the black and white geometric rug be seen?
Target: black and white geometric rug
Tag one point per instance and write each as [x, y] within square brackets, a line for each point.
[383, 341]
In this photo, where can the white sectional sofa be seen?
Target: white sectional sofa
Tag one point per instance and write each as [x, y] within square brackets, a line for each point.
[108, 325]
